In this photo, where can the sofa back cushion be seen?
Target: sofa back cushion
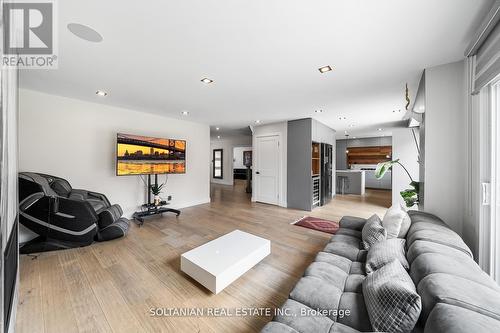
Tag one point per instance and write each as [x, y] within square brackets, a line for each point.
[452, 287]
[383, 252]
[373, 232]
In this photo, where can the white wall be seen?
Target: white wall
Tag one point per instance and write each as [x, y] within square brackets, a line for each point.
[404, 149]
[281, 129]
[238, 157]
[445, 159]
[227, 145]
[76, 140]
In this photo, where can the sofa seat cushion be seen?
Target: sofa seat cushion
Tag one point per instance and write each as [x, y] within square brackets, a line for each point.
[317, 293]
[331, 274]
[340, 262]
[446, 318]
[458, 291]
[354, 283]
[358, 316]
[339, 246]
[431, 263]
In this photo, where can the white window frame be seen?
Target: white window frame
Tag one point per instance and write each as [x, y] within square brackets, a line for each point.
[489, 213]
[495, 182]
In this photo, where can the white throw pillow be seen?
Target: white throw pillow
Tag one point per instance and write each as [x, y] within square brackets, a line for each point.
[396, 221]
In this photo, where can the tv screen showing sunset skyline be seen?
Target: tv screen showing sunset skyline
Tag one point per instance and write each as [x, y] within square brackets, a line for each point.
[144, 155]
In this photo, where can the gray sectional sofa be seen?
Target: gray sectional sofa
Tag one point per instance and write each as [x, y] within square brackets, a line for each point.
[456, 295]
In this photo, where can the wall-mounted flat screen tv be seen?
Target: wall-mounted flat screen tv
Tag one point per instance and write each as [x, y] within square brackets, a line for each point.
[144, 155]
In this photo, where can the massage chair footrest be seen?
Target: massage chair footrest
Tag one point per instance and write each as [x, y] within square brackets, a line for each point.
[117, 229]
[109, 216]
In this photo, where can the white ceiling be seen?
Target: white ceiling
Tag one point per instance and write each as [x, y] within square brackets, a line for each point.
[263, 55]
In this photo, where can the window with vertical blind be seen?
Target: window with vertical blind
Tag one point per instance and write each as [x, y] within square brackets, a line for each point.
[485, 50]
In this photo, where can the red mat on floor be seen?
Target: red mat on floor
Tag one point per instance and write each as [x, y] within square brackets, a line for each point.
[315, 223]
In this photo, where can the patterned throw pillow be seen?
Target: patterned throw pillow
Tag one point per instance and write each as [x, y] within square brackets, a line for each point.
[372, 232]
[396, 221]
[392, 302]
[382, 253]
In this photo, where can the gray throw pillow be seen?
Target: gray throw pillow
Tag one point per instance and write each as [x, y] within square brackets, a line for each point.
[383, 252]
[372, 232]
[392, 302]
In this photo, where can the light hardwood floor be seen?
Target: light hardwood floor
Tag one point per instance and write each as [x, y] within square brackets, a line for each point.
[111, 286]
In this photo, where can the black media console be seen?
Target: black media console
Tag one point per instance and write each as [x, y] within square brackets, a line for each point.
[150, 209]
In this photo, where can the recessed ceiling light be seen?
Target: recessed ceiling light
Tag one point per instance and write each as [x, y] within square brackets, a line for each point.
[101, 93]
[318, 111]
[217, 128]
[218, 136]
[379, 129]
[257, 121]
[342, 118]
[351, 125]
[85, 32]
[185, 113]
[325, 69]
[207, 80]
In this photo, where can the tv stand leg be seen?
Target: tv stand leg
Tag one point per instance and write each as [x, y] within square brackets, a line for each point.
[175, 211]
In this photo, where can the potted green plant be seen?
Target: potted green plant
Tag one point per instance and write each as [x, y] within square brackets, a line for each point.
[410, 196]
[156, 190]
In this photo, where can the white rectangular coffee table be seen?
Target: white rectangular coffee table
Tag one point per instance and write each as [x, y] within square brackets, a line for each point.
[219, 262]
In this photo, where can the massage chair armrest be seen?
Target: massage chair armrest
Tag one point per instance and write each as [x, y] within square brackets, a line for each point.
[85, 195]
[59, 208]
[352, 222]
[68, 208]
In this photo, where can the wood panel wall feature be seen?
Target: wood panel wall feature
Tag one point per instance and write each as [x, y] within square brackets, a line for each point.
[369, 155]
[315, 159]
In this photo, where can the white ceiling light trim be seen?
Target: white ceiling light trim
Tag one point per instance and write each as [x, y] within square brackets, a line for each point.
[324, 69]
[207, 80]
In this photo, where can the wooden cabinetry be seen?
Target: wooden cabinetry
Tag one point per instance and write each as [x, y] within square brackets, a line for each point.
[368, 155]
[315, 159]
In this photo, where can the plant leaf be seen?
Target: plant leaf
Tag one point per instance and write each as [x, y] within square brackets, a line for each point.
[383, 167]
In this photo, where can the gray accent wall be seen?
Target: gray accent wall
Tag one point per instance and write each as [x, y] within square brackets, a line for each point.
[299, 182]
[340, 155]
[301, 134]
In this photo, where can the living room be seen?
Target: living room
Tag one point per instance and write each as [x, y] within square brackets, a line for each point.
[222, 166]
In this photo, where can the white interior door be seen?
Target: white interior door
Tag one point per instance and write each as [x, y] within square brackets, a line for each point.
[267, 170]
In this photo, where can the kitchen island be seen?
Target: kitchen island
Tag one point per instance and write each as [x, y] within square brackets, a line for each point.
[351, 181]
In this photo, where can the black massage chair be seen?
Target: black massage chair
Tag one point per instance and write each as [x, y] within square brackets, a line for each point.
[64, 217]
